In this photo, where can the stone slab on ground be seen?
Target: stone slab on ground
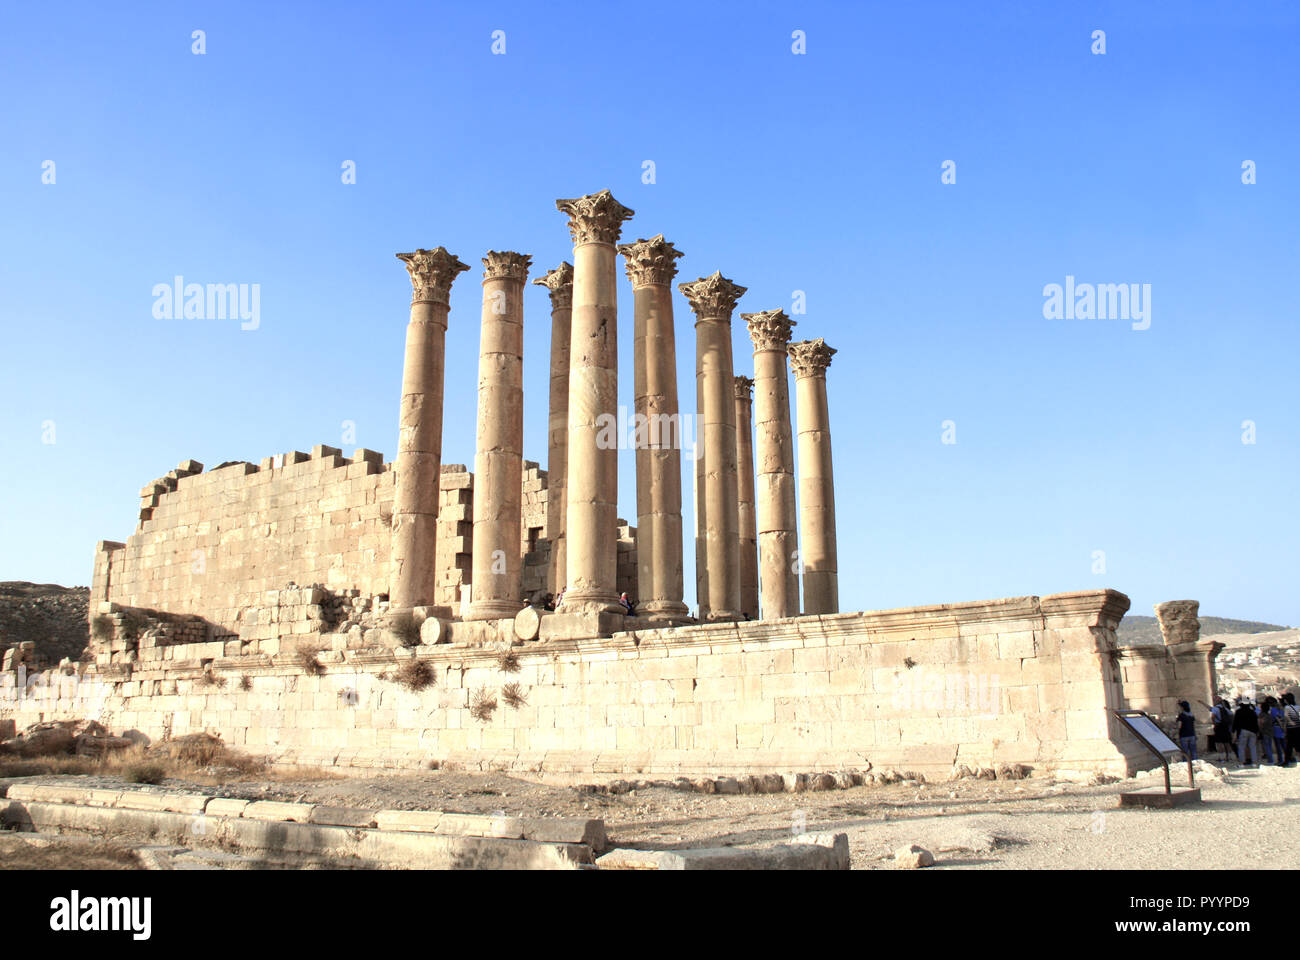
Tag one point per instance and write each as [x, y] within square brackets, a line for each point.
[287, 841]
[1156, 797]
[807, 852]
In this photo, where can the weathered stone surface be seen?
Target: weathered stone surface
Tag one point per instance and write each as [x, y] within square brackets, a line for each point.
[717, 501]
[279, 810]
[774, 461]
[226, 807]
[342, 816]
[44, 739]
[658, 434]
[595, 222]
[818, 552]
[498, 459]
[560, 284]
[912, 857]
[421, 821]
[806, 852]
[419, 454]
[1179, 621]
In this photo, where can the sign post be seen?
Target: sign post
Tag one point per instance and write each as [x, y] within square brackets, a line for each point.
[1155, 740]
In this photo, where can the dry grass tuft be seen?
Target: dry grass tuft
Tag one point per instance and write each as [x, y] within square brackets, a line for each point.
[196, 758]
[482, 705]
[245, 682]
[146, 772]
[101, 628]
[513, 695]
[308, 661]
[210, 679]
[508, 661]
[415, 674]
[134, 624]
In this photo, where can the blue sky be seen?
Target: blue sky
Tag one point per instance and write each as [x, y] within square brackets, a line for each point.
[818, 172]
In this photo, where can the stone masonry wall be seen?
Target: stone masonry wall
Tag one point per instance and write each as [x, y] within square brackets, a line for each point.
[212, 544]
[1025, 680]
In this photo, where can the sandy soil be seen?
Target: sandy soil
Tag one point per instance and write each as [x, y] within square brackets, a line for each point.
[1247, 820]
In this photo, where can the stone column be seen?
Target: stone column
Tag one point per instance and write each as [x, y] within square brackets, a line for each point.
[774, 454]
[745, 489]
[498, 457]
[657, 430]
[821, 586]
[717, 501]
[413, 575]
[595, 222]
[560, 282]
[1194, 677]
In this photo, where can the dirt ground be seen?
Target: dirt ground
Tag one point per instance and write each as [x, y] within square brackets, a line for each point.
[1247, 818]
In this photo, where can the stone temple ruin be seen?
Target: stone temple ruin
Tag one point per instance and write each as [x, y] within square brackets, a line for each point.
[284, 605]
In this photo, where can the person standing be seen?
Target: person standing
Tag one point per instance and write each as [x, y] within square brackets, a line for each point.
[1245, 724]
[1265, 715]
[1222, 716]
[1279, 730]
[1291, 717]
[1186, 729]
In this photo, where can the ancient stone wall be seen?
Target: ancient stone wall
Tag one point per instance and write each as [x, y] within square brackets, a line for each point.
[213, 544]
[1026, 680]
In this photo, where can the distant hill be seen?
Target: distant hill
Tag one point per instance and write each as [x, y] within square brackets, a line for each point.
[1136, 631]
[53, 616]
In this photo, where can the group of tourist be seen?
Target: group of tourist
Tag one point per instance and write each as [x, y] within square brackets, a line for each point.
[1269, 730]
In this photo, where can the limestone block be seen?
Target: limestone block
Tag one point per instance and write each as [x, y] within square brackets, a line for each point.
[225, 807]
[419, 821]
[342, 816]
[168, 802]
[277, 810]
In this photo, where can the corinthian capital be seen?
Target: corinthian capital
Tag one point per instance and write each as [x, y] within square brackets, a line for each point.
[560, 282]
[595, 218]
[744, 388]
[712, 297]
[504, 265]
[432, 273]
[810, 358]
[650, 261]
[769, 329]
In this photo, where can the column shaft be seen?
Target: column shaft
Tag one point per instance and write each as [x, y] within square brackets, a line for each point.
[498, 458]
[413, 572]
[778, 541]
[592, 475]
[560, 283]
[713, 300]
[657, 431]
[745, 487]
[821, 592]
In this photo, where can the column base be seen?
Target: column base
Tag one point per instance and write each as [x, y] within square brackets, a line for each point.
[492, 610]
[723, 616]
[575, 602]
[569, 625]
[667, 612]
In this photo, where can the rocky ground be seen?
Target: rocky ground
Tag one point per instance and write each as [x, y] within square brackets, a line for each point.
[1247, 819]
[54, 617]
